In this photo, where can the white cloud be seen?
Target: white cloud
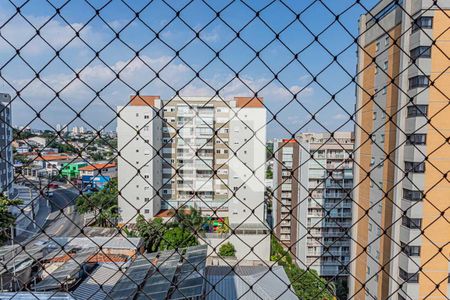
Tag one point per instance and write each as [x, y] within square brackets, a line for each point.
[52, 32]
[340, 117]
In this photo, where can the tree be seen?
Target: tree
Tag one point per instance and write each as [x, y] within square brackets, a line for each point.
[62, 147]
[7, 219]
[151, 231]
[191, 220]
[269, 173]
[342, 289]
[177, 237]
[307, 284]
[227, 249]
[102, 203]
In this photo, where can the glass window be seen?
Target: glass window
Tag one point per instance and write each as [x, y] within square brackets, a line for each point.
[422, 23]
[417, 111]
[419, 81]
[412, 223]
[420, 52]
[416, 139]
[414, 167]
[410, 250]
[412, 195]
[409, 277]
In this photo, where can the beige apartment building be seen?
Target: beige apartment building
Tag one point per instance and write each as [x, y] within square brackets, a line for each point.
[202, 152]
[402, 158]
[313, 179]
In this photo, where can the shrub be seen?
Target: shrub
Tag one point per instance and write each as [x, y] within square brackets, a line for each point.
[227, 249]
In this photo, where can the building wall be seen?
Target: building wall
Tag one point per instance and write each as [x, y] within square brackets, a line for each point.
[6, 137]
[379, 254]
[246, 165]
[312, 208]
[139, 177]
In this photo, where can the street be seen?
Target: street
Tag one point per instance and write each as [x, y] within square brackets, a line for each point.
[62, 220]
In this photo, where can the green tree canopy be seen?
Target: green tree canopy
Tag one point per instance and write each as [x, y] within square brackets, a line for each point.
[151, 231]
[307, 284]
[227, 249]
[7, 219]
[177, 237]
[102, 203]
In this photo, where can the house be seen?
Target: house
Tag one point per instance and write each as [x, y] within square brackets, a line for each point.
[99, 172]
[72, 170]
[52, 163]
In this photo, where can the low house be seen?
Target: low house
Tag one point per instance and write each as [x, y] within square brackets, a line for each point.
[72, 170]
[52, 163]
[99, 172]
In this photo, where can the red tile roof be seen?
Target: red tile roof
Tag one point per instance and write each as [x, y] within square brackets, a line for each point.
[166, 213]
[249, 102]
[52, 157]
[143, 100]
[95, 167]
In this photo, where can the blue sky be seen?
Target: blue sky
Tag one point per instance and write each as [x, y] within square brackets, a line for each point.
[178, 73]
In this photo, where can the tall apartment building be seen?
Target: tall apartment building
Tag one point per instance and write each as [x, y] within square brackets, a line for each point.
[313, 179]
[6, 137]
[203, 152]
[401, 161]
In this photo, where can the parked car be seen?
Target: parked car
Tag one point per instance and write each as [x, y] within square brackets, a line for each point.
[53, 186]
[49, 194]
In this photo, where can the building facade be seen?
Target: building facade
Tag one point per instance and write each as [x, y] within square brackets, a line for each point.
[401, 155]
[6, 138]
[201, 152]
[313, 179]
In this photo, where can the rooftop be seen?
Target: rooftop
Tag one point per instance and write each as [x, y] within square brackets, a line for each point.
[248, 282]
[52, 157]
[96, 167]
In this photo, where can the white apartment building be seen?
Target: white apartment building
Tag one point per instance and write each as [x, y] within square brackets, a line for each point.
[312, 207]
[197, 152]
[139, 165]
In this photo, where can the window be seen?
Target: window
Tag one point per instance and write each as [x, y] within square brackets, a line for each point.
[146, 117]
[410, 250]
[384, 91]
[412, 223]
[422, 23]
[420, 52]
[377, 46]
[419, 81]
[409, 277]
[386, 64]
[386, 41]
[416, 139]
[376, 70]
[414, 167]
[417, 111]
[374, 115]
[382, 138]
[372, 161]
[412, 195]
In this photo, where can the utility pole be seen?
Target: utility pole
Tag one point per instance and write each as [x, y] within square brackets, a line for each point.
[32, 207]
